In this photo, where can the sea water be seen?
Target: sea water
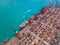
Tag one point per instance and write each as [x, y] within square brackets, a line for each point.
[14, 12]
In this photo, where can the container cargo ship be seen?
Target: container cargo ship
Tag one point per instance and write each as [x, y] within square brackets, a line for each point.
[41, 29]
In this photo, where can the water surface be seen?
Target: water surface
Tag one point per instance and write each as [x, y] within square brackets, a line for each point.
[14, 12]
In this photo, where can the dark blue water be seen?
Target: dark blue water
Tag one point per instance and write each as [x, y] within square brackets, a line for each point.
[14, 12]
